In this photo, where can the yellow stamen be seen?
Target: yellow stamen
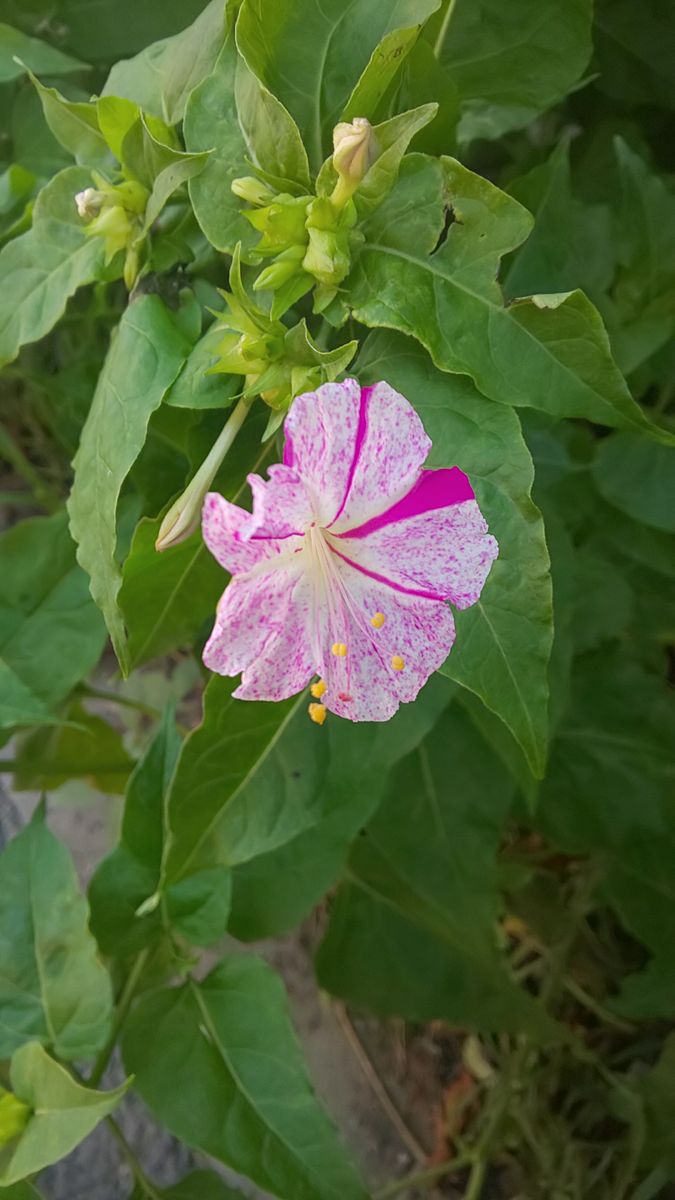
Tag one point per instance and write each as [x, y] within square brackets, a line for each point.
[378, 620]
[339, 649]
[397, 663]
[317, 689]
[317, 713]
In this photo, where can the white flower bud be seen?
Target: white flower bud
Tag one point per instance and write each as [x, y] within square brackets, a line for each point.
[88, 203]
[355, 149]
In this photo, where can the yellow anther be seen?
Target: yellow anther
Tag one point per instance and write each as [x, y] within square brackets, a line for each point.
[318, 689]
[397, 663]
[378, 620]
[339, 649]
[317, 713]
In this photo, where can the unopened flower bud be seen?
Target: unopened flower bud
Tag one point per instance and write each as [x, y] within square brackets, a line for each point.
[14, 1116]
[88, 203]
[281, 270]
[252, 191]
[355, 149]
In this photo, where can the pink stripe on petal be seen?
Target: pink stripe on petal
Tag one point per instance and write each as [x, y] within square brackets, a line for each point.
[433, 489]
[384, 579]
[361, 431]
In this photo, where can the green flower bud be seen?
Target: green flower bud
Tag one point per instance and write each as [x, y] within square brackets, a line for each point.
[281, 270]
[115, 227]
[282, 224]
[327, 257]
[252, 191]
[355, 149]
[14, 1116]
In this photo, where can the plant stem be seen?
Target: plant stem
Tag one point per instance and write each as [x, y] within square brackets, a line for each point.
[44, 496]
[594, 1006]
[139, 1175]
[125, 1000]
[93, 693]
[420, 1178]
[443, 31]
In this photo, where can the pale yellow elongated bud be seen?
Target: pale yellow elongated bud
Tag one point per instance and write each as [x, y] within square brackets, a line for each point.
[252, 190]
[355, 148]
[184, 516]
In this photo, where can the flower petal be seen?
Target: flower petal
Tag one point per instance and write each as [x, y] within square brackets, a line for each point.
[321, 431]
[252, 614]
[390, 449]
[282, 507]
[286, 663]
[364, 685]
[222, 525]
[441, 553]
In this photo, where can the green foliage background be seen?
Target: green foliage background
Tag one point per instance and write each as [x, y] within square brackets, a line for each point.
[501, 855]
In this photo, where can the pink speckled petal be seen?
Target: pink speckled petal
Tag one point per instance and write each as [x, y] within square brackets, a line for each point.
[252, 612]
[321, 430]
[281, 505]
[286, 664]
[364, 686]
[222, 525]
[444, 553]
[391, 447]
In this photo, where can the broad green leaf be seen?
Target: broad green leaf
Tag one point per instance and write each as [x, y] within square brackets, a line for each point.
[657, 1087]
[160, 78]
[548, 352]
[115, 116]
[272, 136]
[504, 641]
[183, 168]
[128, 878]
[423, 80]
[275, 891]
[44, 267]
[88, 748]
[20, 1191]
[637, 476]
[243, 1085]
[311, 56]
[64, 1113]
[547, 262]
[212, 123]
[145, 356]
[413, 930]
[604, 600]
[194, 388]
[200, 1185]
[50, 632]
[236, 792]
[34, 55]
[643, 299]
[633, 56]
[167, 599]
[150, 152]
[105, 32]
[75, 126]
[511, 62]
[53, 989]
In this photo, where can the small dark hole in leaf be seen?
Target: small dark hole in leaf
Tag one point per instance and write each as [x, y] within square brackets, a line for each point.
[450, 219]
[295, 774]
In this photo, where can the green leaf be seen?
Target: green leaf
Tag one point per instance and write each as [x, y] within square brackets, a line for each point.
[194, 388]
[20, 1191]
[547, 262]
[128, 878]
[275, 891]
[145, 356]
[449, 300]
[89, 748]
[161, 77]
[412, 932]
[511, 62]
[637, 476]
[236, 792]
[272, 136]
[74, 125]
[200, 1185]
[116, 116]
[171, 177]
[64, 1113]
[311, 58]
[50, 633]
[44, 267]
[34, 55]
[53, 989]
[234, 1031]
[634, 57]
[212, 123]
[504, 641]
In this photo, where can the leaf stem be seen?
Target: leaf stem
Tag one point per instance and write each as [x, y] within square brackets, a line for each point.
[94, 693]
[443, 31]
[421, 1178]
[139, 1175]
[125, 1001]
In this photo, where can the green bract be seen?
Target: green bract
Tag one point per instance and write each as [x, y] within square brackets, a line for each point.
[209, 208]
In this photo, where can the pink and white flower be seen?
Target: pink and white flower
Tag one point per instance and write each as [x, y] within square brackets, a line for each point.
[345, 567]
